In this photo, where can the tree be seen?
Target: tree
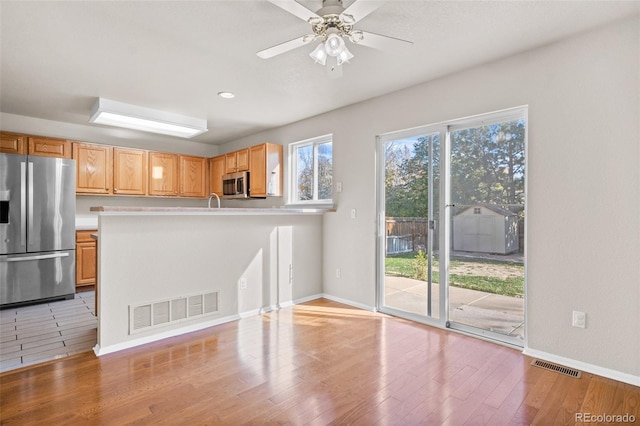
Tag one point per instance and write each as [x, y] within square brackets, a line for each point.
[487, 167]
[407, 177]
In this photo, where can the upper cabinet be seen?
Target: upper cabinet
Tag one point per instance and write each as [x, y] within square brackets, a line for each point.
[12, 143]
[129, 171]
[216, 171]
[93, 168]
[193, 176]
[266, 170]
[49, 147]
[237, 161]
[163, 174]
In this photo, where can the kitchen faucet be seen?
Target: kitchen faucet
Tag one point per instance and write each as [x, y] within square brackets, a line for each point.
[213, 194]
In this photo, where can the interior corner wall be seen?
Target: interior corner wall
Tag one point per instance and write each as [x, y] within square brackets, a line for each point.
[583, 180]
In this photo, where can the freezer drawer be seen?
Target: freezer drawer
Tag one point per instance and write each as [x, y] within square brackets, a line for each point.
[34, 276]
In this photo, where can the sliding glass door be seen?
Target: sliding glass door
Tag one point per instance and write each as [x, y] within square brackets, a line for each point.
[486, 212]
[409, 213]
[451, 224]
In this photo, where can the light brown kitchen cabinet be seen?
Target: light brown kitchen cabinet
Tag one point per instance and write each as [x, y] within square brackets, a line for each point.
[216, 171]
[49, 147]
[237, 161]
[163, 174]
[12, 143]
[94, 166]
[86, 250]
[129, 171]
[266, 170]
[193, 176]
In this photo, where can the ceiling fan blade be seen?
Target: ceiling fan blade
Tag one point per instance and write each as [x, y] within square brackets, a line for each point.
[296, 9]
[282, 47]
[359, 9]
[381, 42]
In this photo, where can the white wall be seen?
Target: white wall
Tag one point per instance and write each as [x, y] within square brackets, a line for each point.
[148, 258]
[583, 185]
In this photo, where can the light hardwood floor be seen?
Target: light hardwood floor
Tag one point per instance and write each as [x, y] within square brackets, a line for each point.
[315, 363]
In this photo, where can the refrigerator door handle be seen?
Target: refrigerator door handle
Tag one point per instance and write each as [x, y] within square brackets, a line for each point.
[30, 183]
[23, 204]
[36, 257]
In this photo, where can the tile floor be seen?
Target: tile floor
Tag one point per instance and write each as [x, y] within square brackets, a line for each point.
[34, 334]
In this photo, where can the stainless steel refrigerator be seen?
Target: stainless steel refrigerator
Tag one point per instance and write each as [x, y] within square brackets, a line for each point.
[37, 229]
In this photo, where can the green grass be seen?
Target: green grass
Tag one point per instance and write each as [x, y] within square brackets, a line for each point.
[405, 265]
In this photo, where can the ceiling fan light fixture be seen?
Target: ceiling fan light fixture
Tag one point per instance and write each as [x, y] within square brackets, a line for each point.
[319, 54]
[344, 56]
[334, 45]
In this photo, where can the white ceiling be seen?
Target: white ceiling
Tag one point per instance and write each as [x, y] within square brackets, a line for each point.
[58, 57]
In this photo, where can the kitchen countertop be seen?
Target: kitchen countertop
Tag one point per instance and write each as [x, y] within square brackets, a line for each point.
[114, 210]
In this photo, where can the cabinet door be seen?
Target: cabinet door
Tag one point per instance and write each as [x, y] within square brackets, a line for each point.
[49, 147]
[231, 162]
[94, 165]
[163, 174]
[216, 171]
[193, 176]
[86, 270]
[129, 171]
[12, 143]
[242, 160]
[266, 170]
[258, 177]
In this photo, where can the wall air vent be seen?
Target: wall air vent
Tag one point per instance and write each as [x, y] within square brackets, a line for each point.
[165, 312]
[557, 368]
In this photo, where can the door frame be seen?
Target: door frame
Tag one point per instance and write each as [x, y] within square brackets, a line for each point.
[439, 128]
[446, 220]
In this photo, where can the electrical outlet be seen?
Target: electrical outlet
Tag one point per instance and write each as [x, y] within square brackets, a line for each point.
[579, 319]
[243, 283]
[338, 273]
[353, 213]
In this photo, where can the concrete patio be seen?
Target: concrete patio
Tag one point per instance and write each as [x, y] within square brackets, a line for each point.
[500, 314]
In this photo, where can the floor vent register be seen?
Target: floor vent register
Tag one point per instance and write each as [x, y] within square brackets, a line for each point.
[557, 368]
[165, 312]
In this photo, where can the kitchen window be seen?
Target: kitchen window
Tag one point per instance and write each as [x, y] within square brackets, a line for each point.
[311, 168]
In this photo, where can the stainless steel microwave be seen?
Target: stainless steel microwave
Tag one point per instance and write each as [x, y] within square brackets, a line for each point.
[235, 185]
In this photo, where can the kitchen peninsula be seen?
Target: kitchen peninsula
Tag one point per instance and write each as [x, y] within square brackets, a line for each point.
[168, 271]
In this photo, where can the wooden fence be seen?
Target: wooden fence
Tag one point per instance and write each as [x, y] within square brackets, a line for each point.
[406, 234]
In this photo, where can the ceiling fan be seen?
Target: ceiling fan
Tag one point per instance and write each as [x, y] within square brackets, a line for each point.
[332, 23]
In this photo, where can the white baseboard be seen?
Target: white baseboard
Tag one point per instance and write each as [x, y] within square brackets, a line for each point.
[583, 366]
[349, 302]
[308, 298]
[335, 299]
[252, 313]
[100, 350]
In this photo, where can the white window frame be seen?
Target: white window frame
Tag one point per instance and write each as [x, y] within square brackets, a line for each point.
[293, 167]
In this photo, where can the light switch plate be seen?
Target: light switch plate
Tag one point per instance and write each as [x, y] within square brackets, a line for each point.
[353, 213]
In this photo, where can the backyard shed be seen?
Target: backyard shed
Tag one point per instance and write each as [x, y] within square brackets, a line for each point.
[486, 229]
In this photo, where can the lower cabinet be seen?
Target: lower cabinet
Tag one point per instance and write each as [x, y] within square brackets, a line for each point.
[86, 268]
